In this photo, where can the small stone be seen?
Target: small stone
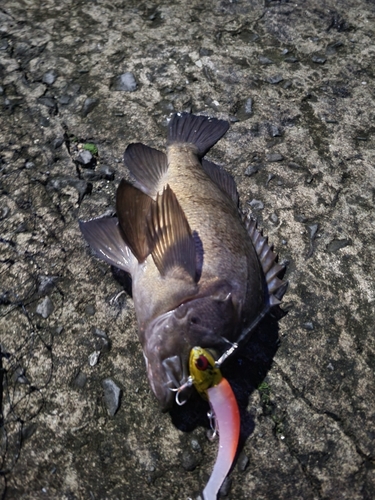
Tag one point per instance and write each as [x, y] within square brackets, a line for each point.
[335, 245]
[256, 204]
[58, 142]
[125, 82]
[275, 79]
[274, 218]
[64, 99]
[245, 109]
[318, 59]
[80, 380]
[4, 212]
[265, 60]
[195, 445]
[89, 105]
[188, 461]
[225, 487]
[45, 307]
[107, 173]
[90, 310]
[46, 284]
[94, 358]
[312, 229]
[49, 77]
[112, 395]
[251, 170]
[84, 157]
[242, 462]
[291, 59]
[275, 131]
[294, 166]
[309, 325]
[273, 157]
[29, 164]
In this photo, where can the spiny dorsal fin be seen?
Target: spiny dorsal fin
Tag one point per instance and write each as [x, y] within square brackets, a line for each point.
[171, 238]
[202, 131]
[222, 178]
[273, 271]
[133, 207]
[147, 166]
[105, 237]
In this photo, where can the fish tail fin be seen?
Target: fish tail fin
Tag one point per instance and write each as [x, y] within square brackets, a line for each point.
[201, 131]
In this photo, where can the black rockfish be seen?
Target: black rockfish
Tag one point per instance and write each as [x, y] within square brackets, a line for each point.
[201, 273]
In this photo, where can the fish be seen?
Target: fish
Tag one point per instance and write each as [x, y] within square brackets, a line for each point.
[207, 379]
[202, 273]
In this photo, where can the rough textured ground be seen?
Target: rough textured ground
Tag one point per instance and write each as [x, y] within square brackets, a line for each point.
[307, 66]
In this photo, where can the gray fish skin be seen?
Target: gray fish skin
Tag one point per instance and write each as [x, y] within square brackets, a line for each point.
[197, 278]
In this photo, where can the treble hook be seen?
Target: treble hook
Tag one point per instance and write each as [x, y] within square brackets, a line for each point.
[178, 390]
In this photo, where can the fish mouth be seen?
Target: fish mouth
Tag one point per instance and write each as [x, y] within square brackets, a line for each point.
[167, 378]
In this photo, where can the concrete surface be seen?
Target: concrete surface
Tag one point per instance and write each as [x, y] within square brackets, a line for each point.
[296, 80]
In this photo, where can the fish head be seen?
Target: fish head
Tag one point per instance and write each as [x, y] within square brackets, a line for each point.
[206, 320]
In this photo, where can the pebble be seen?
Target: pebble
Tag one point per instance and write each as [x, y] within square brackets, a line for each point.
[188, 461]
[291, 59]
[318, 59]
[195, 445]
[256, 204]
[242, 462]
[251, 170]
[107, 173]
[46, 284]
[58, 142]
[275, 131]
[275, 79]
[90, 310]
[84, 157]
[336, 244]
[89, 105]
[94, 358]
[4, 212]
[274, 218]
[225, 487]
[245, 110]
[294, 166]
[125, 82]
[49, 77]
[312, 229]
[112, 395]
[45, 307]
[309, 325]
[265, 60]
[273, 157]
[80, 380]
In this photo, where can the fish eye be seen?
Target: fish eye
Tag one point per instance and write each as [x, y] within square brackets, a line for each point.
[202, 363]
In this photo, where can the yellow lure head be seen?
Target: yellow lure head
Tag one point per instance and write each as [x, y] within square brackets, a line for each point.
[203, 371]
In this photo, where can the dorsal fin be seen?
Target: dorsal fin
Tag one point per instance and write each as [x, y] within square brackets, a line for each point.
[105, 237]
[273, 271]
[171, 238]
[222, 178]
[147, 166]
[133, 206]
[202, 131]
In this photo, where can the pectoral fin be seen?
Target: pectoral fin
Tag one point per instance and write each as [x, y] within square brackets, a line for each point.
[133, 207]
[106, 239]
[170, 237]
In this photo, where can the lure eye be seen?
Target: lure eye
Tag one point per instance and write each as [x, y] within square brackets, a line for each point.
[202, 363]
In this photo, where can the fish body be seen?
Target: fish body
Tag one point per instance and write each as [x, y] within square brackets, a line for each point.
[200, 274]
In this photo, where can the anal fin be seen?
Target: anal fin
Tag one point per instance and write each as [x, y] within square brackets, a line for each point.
[133, 207]
[174, 248]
